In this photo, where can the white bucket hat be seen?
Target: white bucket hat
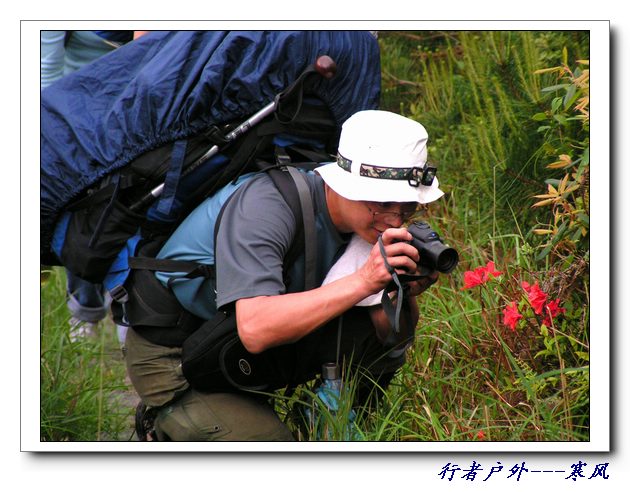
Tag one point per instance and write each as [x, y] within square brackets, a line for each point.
[382, 158]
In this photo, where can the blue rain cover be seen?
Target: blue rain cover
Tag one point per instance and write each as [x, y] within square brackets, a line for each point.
[175, 84]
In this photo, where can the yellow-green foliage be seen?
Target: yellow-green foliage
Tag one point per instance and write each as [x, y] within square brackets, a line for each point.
[475, 92]
[507, 117]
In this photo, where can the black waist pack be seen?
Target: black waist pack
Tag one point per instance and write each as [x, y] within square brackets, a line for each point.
[214, 359]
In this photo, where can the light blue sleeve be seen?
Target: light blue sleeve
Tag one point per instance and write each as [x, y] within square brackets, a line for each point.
[52, 45]
[83, 47]
[61, 56]
[194, 241]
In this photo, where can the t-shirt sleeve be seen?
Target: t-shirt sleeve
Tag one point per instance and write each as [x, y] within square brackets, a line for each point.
[254, 235]
[52, 49]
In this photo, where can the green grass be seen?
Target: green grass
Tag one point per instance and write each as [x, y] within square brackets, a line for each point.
[82, 381]
[465, 373]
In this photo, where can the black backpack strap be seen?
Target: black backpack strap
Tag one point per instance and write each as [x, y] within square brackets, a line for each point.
[249, 146]
[190, 268]
[308, 220]
[314, 156]
[295, 191]
[155, 313]
[152, 309]
[172, 178]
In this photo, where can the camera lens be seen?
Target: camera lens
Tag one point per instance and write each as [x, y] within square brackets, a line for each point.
[447, 260]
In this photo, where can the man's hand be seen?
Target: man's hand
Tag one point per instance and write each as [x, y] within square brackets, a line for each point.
[400, 255]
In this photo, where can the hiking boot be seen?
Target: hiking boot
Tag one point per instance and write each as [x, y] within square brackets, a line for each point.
[145, 419]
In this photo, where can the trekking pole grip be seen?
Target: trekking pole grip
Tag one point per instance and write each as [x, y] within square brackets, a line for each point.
[326, 66]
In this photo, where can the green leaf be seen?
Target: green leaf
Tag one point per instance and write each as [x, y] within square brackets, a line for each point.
[544, 252]
[570, 96]
[560, 119]
[583, 355]
[543, 331]
[539, 117]
[565, 56]
[560, 234]
[542, 128]
[555, 88]
[555, 104]
[542, 353]
[553, 182]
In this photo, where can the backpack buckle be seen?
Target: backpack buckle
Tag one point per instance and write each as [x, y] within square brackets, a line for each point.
[119, 294]
[282, 156]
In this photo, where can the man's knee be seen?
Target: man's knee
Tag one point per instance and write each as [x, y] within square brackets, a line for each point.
[155, 371]
[219, 417]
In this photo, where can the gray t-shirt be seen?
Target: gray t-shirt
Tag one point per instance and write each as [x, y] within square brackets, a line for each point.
[256, 231]
[255, 234]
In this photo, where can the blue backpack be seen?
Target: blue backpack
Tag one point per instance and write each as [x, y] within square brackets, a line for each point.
[131, 143]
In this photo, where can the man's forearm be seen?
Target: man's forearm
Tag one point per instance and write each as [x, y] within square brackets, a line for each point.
[268, 321]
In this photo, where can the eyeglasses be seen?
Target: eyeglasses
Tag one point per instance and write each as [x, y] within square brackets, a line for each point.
[390, 217]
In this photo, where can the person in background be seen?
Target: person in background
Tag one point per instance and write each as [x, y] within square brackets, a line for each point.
[63, 52]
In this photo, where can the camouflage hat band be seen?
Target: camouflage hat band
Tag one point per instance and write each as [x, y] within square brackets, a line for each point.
[414, 175]
[345, 164]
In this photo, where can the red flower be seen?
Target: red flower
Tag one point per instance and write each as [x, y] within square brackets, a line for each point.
[481, 435]
[472, 279]
[537, 298]
[552, 310]
[511, 316]
[491, 271]
[479, 276]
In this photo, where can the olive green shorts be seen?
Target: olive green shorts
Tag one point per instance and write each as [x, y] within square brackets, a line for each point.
[186, 414]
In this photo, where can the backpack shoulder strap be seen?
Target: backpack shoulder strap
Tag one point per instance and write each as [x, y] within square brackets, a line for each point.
[295, 191]
[190, 268]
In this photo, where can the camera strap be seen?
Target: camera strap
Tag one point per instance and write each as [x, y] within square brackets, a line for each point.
[397, 283]
[393, 313]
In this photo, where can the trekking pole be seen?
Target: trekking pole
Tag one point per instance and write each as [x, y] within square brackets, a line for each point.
[324, 66]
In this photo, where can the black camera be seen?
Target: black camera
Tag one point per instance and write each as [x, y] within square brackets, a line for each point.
[434, 254]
